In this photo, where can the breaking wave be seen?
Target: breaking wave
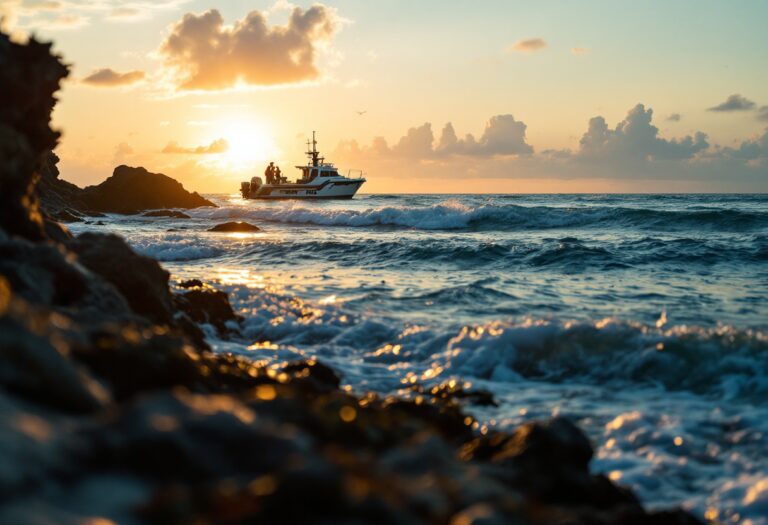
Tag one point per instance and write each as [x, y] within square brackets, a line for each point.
[453, 215]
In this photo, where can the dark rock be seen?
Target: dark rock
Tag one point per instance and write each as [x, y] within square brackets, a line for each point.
[67, 216]
[208, 306]
[235, 227]
[29, 76]
[131, 190]
[454, 391]
[167, 213]
[34, 367]
[57, 195]
[141, 280]
[191, 283]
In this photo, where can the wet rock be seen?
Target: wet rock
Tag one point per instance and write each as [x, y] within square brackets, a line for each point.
[549, 460]
[234, 227]
[191, 283]
[141, 280]
[455, 391]
[132, 190]
[208, 306]
[167, 213]
[67, 216]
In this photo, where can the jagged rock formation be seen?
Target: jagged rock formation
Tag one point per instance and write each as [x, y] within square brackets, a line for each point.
[128, 190]
[132, 190]
[29, 76]
[112, 407]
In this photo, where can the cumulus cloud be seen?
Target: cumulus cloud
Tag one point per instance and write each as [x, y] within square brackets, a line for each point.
[217, 146]
[503, 135]
[674, 117]
[529, 45]
[110, 78]
[734, 103]
[762, 114]
[636, 139]
[754, 151]
[206, 54]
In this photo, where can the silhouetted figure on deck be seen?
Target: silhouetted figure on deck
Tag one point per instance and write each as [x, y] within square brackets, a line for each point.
[278, 175]
[269, 173]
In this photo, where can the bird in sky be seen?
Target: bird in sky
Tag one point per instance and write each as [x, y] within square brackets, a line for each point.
[361, 113]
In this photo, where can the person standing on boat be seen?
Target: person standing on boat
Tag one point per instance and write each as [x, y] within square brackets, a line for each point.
[269, 173]
[278, 173]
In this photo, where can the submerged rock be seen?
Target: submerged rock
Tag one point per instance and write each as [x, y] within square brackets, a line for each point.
[167, 213]
[234, 227]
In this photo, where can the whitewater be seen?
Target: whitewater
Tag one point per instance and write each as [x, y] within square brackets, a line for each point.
[644, 318]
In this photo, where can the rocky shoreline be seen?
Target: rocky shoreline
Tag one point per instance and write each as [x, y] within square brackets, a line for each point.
[114, 407]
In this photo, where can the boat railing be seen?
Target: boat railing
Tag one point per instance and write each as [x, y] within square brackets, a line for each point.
[359, 174]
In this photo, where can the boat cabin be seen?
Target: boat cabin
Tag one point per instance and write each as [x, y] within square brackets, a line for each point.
[310, 173]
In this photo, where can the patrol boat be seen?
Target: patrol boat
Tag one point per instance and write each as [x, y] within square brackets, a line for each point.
[319, 180]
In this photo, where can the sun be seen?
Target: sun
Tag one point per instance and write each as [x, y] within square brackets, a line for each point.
[248, 143]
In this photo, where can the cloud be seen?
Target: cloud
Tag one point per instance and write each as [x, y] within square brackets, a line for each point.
[630, 154]
[217, 146]
[42, 5]
[503, 135]
[580, 50]
[529, 45]
[636, 139]
[125, 13]
[205, 54]
[755, 151]
[416, 143]
[674, 117]
[110, 78]
[762, 114]
[734, 103]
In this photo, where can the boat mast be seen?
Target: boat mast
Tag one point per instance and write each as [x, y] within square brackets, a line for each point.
[313, 153]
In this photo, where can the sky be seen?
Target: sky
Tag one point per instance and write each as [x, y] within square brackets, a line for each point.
[429, 96]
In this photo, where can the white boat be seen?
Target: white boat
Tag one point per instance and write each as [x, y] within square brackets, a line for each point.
[319, 180]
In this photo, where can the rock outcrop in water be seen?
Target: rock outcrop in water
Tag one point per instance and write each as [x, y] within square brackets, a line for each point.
[235, 227]
[112, 408]
[131, 190]
[128, 191]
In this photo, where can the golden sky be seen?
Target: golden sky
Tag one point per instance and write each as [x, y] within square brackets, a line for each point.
[451, 96]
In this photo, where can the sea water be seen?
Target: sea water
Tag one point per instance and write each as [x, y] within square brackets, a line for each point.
[644, 318]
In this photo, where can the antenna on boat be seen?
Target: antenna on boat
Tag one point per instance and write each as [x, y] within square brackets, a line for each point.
[313, 153]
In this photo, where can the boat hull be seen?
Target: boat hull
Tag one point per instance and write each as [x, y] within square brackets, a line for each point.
[329, 190]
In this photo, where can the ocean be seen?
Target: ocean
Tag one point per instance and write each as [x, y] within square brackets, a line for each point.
[644, 318]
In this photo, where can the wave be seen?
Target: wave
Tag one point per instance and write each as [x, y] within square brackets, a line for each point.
[174, 248]
[723, 362]
[567, 253]
[726, 362]
[454, 215]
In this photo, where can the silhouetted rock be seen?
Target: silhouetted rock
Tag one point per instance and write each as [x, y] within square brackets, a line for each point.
[167, 213]
[208, 306]
[234, 227]
[66, 216]
[29, 76]
[191, 283]
[132, 190]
